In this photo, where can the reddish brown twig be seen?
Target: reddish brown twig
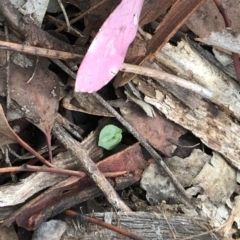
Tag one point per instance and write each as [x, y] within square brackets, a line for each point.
[102, 224]
[223, 11]
[228, 24]
[28, 168]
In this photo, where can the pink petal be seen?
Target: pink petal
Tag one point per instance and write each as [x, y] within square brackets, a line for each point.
[106, 54]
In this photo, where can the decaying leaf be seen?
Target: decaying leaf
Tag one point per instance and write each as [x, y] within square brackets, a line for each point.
[136, 49]
[208, 18]
[157, 184]
[217, 179]
[9, 136]
[157, 130]
[38, 99]
[35, 9]
[97, 17]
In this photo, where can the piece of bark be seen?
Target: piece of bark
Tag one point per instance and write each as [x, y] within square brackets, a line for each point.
[84, 102]
[225, 91]
[213, 59]
[145, 225]
[5, 212]
[153, 9]
[214, 127]
[226, 39]
[68, 194]
[14, 194]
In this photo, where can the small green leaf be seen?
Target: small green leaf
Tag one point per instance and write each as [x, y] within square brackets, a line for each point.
[109, 137]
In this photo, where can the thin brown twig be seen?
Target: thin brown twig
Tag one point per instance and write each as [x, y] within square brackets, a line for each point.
[38, 51]
[223, 11]
[236, 62]
[228, 24]
[29, 168]
[59, 22]
[182, 146]
[102, 224]
[64, 14]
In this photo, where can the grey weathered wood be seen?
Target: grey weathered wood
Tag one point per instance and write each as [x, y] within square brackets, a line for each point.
[147, 225]
[226, 39]
[190, 65]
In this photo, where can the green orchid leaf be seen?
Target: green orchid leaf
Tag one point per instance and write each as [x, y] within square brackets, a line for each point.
[109, 137]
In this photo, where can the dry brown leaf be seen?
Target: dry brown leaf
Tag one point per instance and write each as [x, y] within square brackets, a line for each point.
[157, 184]
[136, 49]
[38, 100]
[157, 131]
[208, 18]
[11, 137]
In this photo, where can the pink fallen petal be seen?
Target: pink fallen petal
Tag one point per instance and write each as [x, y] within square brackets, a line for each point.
[106, 54]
